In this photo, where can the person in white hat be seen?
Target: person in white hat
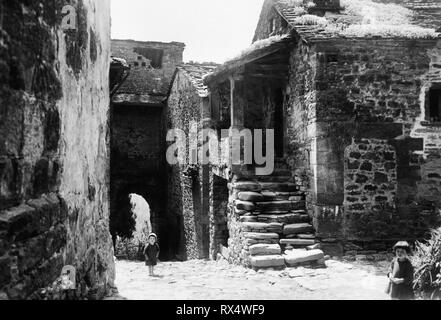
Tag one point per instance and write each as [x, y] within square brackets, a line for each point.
[151, 253]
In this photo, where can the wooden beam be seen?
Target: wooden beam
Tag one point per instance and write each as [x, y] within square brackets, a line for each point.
[223, 73]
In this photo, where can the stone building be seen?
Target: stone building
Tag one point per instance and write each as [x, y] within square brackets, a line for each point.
[188, 191]
[352, 91]
[54, 100]
[138, 136]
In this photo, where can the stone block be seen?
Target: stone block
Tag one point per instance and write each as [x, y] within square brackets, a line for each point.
[288, 218]
[248, 219]
[275, 206]
[272, 261]
[251, 196]
[279, 187]
[297, 242]
[296, 257]
[297, 228]
[263, 227]
[247, 186]
[265, 249]
[261, 236]
[245, 205]
[314, 247]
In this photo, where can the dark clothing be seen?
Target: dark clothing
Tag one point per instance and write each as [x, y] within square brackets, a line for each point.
[402, 270]
[151, 255]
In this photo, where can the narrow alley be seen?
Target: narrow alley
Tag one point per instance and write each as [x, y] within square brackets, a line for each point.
[210, 280]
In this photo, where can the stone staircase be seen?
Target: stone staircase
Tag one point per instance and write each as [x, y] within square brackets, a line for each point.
[277, 229]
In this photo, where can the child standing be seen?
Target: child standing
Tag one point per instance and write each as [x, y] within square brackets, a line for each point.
[401, 274]
[151, 253]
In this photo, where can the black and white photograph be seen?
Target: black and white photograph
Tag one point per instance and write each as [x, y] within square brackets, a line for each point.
[243, 152]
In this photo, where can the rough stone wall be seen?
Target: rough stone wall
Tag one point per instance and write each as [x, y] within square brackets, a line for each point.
[54, 147]
[185, 180]
[367, 93]
[300, 123]
[143, 79]
[370, 175]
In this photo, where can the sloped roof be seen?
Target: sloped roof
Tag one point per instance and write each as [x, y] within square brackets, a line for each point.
[360, 18]
[257, 51]
[196, 73]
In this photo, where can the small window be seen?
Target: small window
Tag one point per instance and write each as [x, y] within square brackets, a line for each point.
[144, 64]
[155, 56]
[136, 63]
[434, 107]
[139, 57]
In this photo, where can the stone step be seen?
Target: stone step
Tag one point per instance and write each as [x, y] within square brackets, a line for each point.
[251, 242]
[263, 227]
[265, 249]
[250, 196]
[280, 206]
[271, 261]
[298, 228]
[279, 186]
[247, 186]
[261, 236]
[288, 218]
[297, 242]
[308, 236]
[294, 258]
[248, 219]
[244, 205]
[281, 196]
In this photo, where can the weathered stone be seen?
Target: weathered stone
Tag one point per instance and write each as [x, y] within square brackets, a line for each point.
[288, 218]
[316, 246]
[296, 257]
[263, 227]
[250, 196]
[265, 249]
[248, 219]
[297, 242]
[245, 205]
[247, 186]
[273, 261]
[306, 236]
[279, 187]
[297, 228]
[261, 236]
[275, 206]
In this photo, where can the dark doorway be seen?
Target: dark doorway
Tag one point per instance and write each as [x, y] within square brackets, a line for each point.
[434, 105]
[219, 223]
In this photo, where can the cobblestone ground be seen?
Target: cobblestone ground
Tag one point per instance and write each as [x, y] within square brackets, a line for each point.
[209, 280]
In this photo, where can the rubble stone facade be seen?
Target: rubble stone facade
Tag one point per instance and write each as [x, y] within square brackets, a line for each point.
[138, 136]
[54, 92]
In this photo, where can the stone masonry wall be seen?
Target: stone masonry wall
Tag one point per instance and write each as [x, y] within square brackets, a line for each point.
[370, 97]
[185, 181]
[370, 175]
[54, 99]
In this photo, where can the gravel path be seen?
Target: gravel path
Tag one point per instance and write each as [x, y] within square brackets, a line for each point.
[209, 280]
